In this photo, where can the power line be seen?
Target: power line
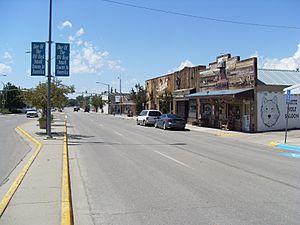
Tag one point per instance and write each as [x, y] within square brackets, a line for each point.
[200, 17]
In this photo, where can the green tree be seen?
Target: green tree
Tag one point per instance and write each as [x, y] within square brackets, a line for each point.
[38, 97]
[165, 101]
[97, 102]
[72, 102]
[12, 97]
[80, 100]
[138, 95]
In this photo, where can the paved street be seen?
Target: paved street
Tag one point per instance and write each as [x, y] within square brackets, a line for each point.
[122, 173]
[12, 148]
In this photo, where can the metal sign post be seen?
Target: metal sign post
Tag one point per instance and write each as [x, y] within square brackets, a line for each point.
[49, 134]
[288, 100]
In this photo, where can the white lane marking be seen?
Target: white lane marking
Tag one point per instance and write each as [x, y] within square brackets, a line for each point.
[175, 160]
[117, 133]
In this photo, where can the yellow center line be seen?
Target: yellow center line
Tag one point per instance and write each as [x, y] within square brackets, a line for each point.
[13, 188]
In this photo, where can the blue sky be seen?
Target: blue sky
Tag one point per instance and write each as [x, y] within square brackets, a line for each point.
[109, 40]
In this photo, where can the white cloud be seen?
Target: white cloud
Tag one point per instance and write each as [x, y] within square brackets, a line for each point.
[80, 32]
[115, 65]
[76, 38]
[71, 39]
[79, 42]
[7, 57]
[289, 63]
[86, 58]
[4, 68]
[65, 24]
[183, 64]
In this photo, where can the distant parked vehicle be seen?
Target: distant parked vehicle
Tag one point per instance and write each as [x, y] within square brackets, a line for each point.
[148, 117]
[76, 109]
[31, 113]
[170, 121]
[87, 109]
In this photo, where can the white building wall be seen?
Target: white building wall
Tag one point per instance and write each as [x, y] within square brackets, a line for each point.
[272, 111]
[105, 107]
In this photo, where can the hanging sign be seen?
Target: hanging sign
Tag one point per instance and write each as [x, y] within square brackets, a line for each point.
[62, 60]
[38, 58]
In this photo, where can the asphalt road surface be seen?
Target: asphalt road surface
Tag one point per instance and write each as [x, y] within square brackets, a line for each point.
[12, 147]
[123, 174]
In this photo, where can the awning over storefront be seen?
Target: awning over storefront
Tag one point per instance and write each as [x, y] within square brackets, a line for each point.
[295, 89]
[247, 92]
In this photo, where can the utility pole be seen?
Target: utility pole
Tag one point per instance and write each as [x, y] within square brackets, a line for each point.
[49, 134]
[120, 84]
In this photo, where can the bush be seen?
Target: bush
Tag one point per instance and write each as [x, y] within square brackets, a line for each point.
[4, 111]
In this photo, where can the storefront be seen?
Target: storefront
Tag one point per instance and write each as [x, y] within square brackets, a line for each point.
[181, 102]
[227, 109]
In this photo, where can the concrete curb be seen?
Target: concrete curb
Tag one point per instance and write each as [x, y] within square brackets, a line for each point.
[13, 188]
[285, 146]
[66, 198]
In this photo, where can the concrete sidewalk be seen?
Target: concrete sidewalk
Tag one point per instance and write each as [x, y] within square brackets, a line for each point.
[37, 200]
[264, 138]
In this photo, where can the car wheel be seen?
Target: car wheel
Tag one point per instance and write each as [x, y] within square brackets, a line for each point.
[137, 122]
[165, 127]
[144, 123]
[155, 125]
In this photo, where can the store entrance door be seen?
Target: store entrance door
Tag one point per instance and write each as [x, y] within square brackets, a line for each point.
[246, 117]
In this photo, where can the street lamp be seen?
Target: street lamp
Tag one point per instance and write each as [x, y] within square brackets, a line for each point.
[104, 84]
[119, 77]
[4, 94]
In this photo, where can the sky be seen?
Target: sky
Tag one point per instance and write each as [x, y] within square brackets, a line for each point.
[136, 40]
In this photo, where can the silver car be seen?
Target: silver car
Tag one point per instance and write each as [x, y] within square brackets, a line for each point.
[148, 117]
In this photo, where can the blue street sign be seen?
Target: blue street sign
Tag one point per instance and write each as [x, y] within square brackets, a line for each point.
[62, 60]
[38, 52]
[288, 96]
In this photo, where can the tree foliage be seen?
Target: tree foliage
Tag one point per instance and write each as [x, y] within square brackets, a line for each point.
[38, 97]
[97, 102]
[72, 102]
[80, 99]
[138, 95]
[165, 101]
[12, 98]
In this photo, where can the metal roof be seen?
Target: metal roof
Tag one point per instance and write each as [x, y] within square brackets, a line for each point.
[278, 77]
[219, 92]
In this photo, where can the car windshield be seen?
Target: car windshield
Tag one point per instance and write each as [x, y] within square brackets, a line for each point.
[154, 113]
